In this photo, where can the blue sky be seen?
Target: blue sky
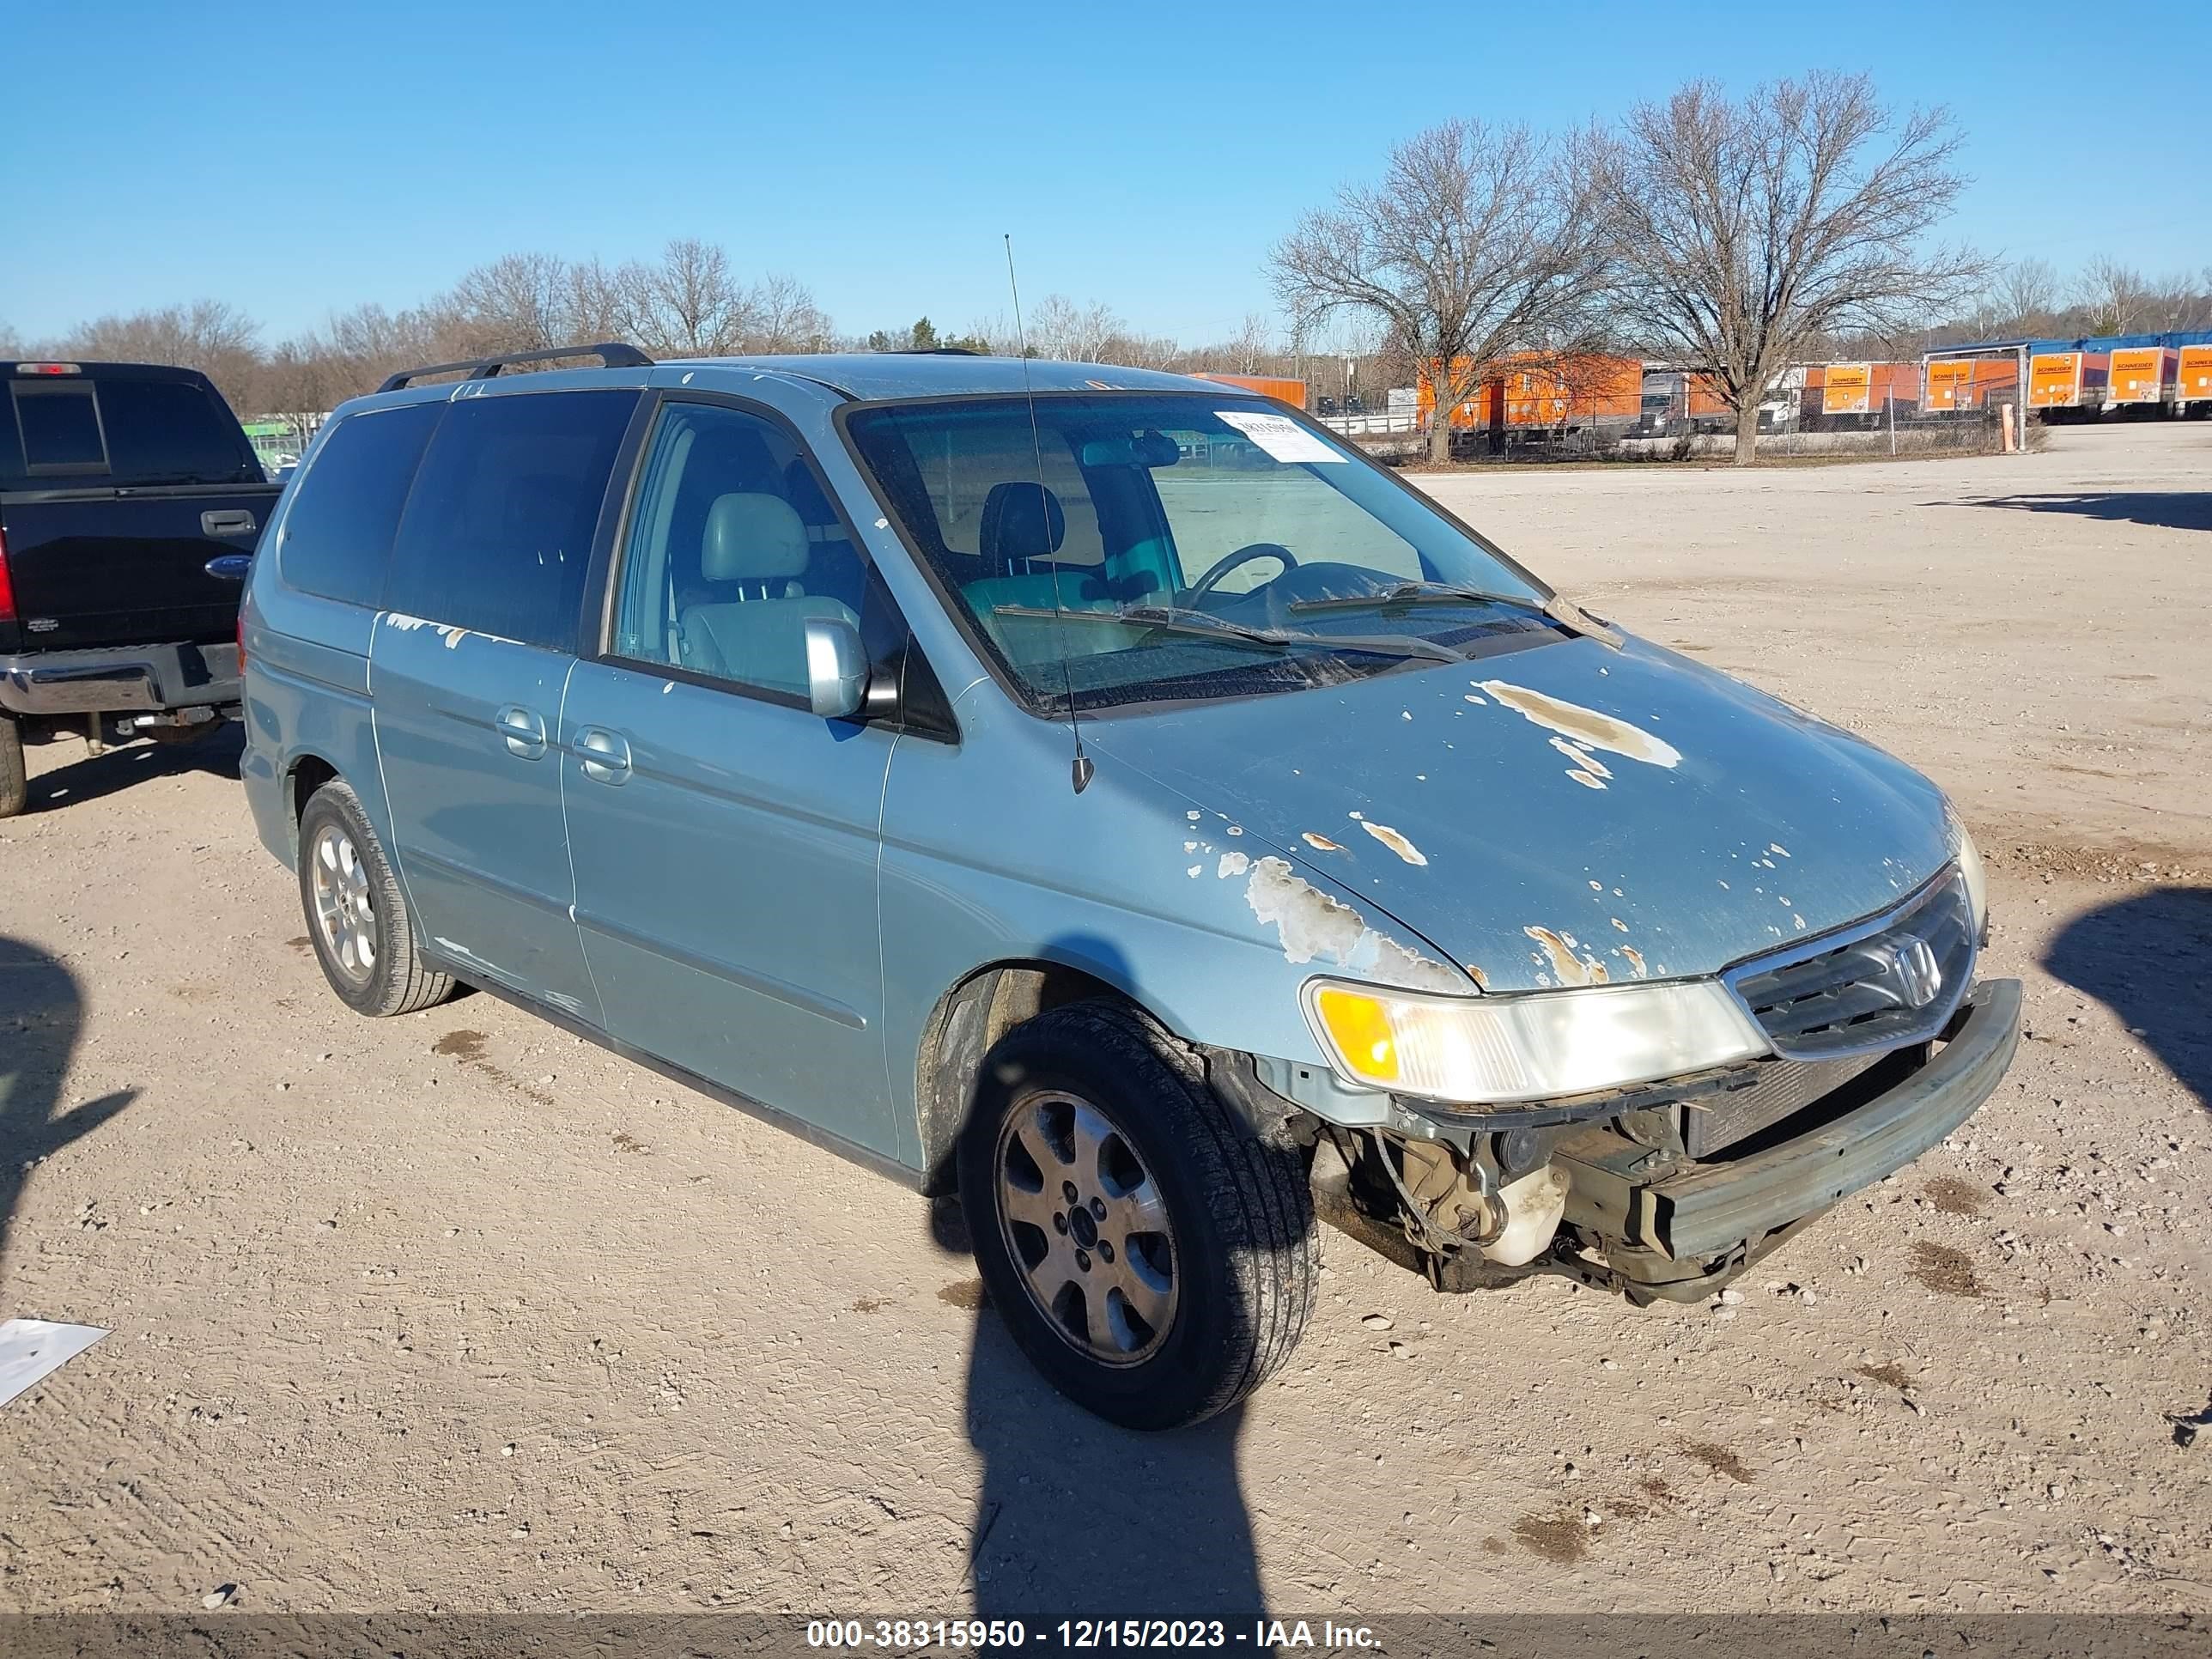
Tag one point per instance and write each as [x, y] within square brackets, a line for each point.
[299, 161]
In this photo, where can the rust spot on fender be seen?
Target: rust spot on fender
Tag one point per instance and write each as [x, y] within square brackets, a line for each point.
[1635, 960]
[1585, 726]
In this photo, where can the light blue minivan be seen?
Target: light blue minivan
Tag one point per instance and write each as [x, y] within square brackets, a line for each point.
[1110, 795]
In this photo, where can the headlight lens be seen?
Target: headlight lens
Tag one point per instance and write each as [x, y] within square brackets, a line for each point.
[1487, 1050]
[1976, 879]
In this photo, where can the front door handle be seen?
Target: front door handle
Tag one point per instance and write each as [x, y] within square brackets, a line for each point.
[605, 754]
[226, 522]
[524, 730]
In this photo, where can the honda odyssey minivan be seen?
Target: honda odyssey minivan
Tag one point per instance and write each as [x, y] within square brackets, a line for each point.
[1111, 797]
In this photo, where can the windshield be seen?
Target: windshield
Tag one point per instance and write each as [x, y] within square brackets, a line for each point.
[1139, 547]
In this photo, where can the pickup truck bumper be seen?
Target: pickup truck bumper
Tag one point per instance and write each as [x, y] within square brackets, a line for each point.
[1681, 1227]
[120, 679]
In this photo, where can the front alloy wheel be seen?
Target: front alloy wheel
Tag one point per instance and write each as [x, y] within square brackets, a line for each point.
[1085, 1223]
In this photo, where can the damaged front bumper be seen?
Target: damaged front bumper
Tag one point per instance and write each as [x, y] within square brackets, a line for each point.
[1673, 1228]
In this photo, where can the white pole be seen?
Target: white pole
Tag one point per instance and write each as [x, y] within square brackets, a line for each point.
[1889, 402]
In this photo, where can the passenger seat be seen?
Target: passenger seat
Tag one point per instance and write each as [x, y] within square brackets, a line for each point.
[758, 542]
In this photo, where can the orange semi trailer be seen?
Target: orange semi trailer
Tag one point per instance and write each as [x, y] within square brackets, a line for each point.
[2067, 379]
[1528, 393]
[2140, 374]
[1280, 387]
[1957, 382]
[2193, 376]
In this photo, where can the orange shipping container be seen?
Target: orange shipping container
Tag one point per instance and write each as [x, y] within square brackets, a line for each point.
[1950, 382]
[2054, 380]
[1846, 387]
[1280, 387]
[2194, 377]
[1545, 393]
[2139, 375]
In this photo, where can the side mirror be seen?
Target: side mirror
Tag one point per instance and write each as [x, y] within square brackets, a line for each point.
[836, 668]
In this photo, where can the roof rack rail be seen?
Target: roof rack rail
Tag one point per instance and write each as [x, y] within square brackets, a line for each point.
[613, 353]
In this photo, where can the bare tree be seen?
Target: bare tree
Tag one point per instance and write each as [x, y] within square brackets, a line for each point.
[784, 316]
[11, 343]
[517, 303]
[2115, 296]
[1479, 242]
[1746, 230]
[689, 305]
[212, 336]
[1058, 327]
[2029, 297]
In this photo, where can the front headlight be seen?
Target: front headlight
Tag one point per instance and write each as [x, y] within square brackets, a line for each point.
[1976, 879]
[1492, 1049]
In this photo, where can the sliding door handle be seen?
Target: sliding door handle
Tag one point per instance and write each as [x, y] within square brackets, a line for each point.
[604, 754]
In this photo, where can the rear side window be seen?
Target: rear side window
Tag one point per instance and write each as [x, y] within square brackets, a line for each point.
[345, 512]
[171, 432]
[497, 538]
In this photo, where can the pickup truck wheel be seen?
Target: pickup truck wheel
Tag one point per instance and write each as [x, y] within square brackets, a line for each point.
[15, 791]
[357, 916]
[1152, 1256]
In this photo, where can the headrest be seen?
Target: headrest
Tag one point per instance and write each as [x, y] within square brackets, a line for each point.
[752, 538]
[1021, 521]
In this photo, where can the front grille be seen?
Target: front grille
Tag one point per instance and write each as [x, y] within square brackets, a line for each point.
[1876, 986]
[1780, 1087]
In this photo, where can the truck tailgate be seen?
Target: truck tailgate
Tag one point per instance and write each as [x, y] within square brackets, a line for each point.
[123, 566]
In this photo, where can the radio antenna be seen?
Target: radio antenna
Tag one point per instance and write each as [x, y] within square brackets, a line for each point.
[1083, 768]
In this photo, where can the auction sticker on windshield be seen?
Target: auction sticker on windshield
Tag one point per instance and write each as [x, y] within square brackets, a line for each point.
[1284, 440]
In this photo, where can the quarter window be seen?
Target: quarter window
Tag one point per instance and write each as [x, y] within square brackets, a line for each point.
[338, 531]
[497, 536]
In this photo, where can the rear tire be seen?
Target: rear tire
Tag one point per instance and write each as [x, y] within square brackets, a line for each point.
[1182, 1273]
[357, 918]
[14, 788]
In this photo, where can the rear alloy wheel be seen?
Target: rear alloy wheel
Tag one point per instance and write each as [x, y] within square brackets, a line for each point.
[357, 918]
[1152, 1255]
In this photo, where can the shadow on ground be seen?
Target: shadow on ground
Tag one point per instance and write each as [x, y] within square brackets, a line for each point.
[41, 1010]
[1079, 1519]
[2167, 509]
[2149, 958]
[89, 777]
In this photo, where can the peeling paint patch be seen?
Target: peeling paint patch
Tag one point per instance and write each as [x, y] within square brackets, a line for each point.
[1190, 847]
[1396, 842]
[1312, 924]
[1571, 968]
[1585, 778]
[1322, 843]
[1597, 887]
[1479, 702]
[1232, 863]
[1776, 847]
[1635, 960]
[1193, 871]
[1619, 923]
[1482, 979]
[1587, 726]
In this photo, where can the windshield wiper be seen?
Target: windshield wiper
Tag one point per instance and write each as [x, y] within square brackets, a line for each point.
[1204, 624]
[1405, 593]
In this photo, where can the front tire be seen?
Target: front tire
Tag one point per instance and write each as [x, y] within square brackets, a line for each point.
[1152, 1255]
[14, 786]
[357, 918]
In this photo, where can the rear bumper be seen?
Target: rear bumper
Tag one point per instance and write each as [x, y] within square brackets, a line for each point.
[1675, 1222]
[120, 679]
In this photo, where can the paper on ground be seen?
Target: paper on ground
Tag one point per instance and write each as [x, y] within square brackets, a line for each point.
[33, 1348]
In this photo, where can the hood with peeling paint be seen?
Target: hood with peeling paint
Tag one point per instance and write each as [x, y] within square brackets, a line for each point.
[1563, 814]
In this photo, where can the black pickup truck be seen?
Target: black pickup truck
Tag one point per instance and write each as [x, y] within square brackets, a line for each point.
[121, 484]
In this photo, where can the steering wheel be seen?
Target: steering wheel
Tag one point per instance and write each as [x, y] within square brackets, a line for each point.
[1243, 555]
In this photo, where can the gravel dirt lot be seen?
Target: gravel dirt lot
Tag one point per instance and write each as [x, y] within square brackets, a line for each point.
[454, 1312]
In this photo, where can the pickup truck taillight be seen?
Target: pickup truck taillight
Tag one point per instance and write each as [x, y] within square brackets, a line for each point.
[7, 588]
